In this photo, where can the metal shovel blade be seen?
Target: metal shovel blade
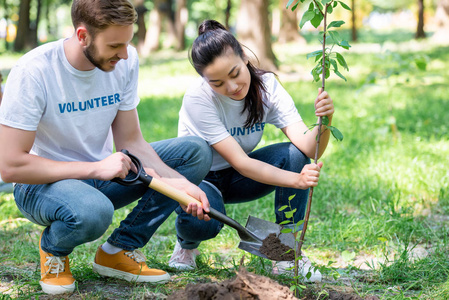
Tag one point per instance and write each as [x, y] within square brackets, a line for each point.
[261, 229]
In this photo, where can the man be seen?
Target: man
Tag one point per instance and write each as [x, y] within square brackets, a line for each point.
[65, 104]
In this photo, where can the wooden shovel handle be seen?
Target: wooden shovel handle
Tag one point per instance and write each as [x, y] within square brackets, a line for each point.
[171, 192]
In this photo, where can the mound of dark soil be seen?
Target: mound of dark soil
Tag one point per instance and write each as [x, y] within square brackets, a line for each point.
[245, 285]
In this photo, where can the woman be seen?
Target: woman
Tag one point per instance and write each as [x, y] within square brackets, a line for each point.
[229, 107]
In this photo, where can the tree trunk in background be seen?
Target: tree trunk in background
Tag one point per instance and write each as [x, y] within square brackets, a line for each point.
[253, 31]
[442, 16]
[228, 13]
[353, 22]
[141, 28]
[161, 13]
[23, 26]
[154, 31]
[32, 34]
[420, 28]
[289, 28]
[181, 18]
[170, 28]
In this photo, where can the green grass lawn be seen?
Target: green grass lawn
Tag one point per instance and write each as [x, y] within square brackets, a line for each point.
[379, 214]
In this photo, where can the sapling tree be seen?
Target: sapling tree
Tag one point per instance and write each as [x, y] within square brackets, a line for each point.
[327, 60]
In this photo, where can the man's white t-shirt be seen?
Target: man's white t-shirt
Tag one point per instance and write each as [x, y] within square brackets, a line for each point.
[71, 111]
[214, 117]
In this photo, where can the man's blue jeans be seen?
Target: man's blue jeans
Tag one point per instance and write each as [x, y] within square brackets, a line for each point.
[228, 187]
[79, 211]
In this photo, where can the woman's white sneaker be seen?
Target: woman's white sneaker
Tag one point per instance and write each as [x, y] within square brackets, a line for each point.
[183, 259]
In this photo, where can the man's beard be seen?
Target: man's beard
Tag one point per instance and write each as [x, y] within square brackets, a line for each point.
[90, 52]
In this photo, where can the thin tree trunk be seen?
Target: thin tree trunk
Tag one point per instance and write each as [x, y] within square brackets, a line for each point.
[32, 41]
[354, 23]
[228, 13]
[420, 28]
[141, 28]
[181, 18]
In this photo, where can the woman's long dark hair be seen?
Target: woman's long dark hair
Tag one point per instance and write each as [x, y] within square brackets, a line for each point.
[213, 40]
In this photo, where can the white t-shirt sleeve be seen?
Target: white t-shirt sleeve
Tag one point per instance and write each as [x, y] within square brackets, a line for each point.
[26, 113]
[282, 110]
[130, 95]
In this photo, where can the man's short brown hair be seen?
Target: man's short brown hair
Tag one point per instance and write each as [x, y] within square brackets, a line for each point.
[97, 15]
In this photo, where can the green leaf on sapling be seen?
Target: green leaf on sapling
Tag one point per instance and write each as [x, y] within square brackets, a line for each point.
[282, 207]
[335, 24]
[336, 133]
[316, 53]
[290, 198]
[334, 64]
[284, 222]
[344, 5]
[335, 36]
[288, 214]
[344, 44]
[324, 2]
[286, 230]
[325, 120]
[316, 21]
[307, 16]
[315, 74]
[340, 75]
[289, 3]
[341, 60]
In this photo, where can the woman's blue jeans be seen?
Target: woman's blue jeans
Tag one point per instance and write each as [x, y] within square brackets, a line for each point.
[79, 211]
[228, 187]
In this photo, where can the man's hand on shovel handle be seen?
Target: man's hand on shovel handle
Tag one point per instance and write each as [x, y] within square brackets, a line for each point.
[196, 209]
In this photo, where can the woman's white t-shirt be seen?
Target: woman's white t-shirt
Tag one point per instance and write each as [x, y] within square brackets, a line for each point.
[70, 110]
[214, 117]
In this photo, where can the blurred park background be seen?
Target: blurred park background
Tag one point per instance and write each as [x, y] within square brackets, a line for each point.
[172, 24]
[379, 220]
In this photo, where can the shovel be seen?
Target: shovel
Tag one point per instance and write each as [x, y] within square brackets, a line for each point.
[251, 237]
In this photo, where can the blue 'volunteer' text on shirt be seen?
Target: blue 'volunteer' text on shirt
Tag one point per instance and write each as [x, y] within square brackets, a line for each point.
[88, 104]
[237, 131]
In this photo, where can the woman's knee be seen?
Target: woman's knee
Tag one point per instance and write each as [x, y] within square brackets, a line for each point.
[296, 158]
[193, 230]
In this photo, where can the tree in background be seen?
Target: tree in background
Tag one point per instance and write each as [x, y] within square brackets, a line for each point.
[420, 27]
[181, 17]
[288, 31]
[254, 32]
[141, 27]
[354, 36]
[22, 41]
